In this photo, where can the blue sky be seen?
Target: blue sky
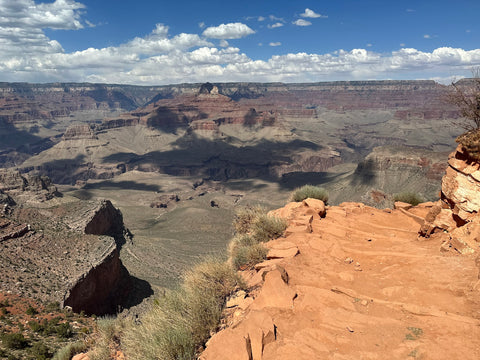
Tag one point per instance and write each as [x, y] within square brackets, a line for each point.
[161, 42]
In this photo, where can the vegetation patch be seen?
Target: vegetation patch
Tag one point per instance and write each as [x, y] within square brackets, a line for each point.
[180, 322]
[471, 143]
[408, 197]
[309, 191]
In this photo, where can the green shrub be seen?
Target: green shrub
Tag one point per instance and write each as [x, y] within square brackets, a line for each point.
[14, 341]
[31, 311]
[64, 331]
[52, 307]
[67, 352]
[40, 351]
[247, 256]
[266, 228]
[35, 326]
[309, 191]
[245, 217]
[409, 197]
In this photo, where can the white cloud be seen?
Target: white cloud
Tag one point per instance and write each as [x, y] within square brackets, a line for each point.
[402, 45]
[278, 43]
[426, 36]
[261, 18]
[311, 14]
[22, 23]
[369, 45]
[27, 54]
[201, 25]
[302, 22]
[275, 18]
[276, 25]
[228, 31]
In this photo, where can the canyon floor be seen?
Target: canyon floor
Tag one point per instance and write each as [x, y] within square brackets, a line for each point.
[359, 283]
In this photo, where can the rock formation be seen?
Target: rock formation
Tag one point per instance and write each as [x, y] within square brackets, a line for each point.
[363, 283]
[65, 252]
[455, 217]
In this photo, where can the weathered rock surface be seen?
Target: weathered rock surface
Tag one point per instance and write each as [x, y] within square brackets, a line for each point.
[461, 185]
[363, 286]
[27, 187]
[66, 252]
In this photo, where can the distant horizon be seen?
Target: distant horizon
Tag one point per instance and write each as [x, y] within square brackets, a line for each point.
[155, 43]
[227, 82]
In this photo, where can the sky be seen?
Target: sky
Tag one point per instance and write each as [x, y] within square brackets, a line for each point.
[156, 42]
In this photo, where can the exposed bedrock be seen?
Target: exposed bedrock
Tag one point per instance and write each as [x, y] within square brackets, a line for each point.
[103, 288]
[107, 286]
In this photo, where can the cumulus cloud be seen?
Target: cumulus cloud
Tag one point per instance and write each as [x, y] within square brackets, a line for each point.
[276, 25]
[302, 22]
[27, 54]
[61, 14]
[228, 31]
[22, 23]
[311, 14]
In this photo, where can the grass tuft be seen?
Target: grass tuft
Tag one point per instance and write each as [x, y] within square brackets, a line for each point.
[182, 321]
[245, 217]
[67, 352]
[309, 191]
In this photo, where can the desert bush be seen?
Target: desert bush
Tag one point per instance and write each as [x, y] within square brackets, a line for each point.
[109, 333]
[267, 227]
[31, 311]
[309, 191]
[64, 331]
[471, 143]
[40, 351]
[247, 256]
[245, 217]
[67, 352]
[182, 320]
[408, 197]
[14, 341]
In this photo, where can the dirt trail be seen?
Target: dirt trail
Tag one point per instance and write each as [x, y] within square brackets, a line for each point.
[363, 286]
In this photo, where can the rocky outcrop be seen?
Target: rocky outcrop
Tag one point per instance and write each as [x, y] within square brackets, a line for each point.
[27, 187]
[335, 286]
[461, 185]
[103, 288]
[456, 215]
[79, 132]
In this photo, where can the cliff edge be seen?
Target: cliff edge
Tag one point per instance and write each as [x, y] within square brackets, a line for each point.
[364, 283]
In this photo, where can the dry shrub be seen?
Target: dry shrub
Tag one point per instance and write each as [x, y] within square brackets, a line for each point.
[245, 217]
[248, 256]
[109, 332]
[181, 322]
[309, 191]
[408, 197]
[266, 228]
[67, 352]
[471, 143]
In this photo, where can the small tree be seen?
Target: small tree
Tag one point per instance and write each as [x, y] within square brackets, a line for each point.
[465, 95]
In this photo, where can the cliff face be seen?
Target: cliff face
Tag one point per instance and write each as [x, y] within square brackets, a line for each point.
[61, 251]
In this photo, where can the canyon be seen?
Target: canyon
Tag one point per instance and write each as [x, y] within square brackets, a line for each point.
[194, 151]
